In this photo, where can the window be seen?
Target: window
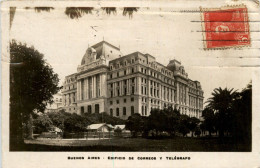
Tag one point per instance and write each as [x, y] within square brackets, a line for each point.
[124, 100]
[111, 93]
[124, 72]
[142, 90]
[96, 108]
[118, 92]
[132, 99]
[117, 74]
[124, 110]
[82, 110]
[111, 102]
[111, 76]
[142, 70]
[142, 110]
[133, 89]
[117, 111]
[117, 101]
[111, 112]
[132, 110]
[133, 70]
[145, 111]
[89, 108]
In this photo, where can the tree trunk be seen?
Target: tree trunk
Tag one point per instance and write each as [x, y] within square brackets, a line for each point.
[30, 127]
[16, 130]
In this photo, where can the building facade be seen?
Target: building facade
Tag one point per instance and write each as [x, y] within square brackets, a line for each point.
[107, 81]
[56, 105]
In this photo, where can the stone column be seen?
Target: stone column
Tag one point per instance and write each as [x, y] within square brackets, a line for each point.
[78, 90]
[138, 85]
[128, 86]
[121, 87]
[148, 88]
[87, 88]
[177, 93]
[100, 84]
[114, 89]
[93, 87]
[159, 93]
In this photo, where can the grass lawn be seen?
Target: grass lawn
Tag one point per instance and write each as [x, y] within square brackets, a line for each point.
[178, 144]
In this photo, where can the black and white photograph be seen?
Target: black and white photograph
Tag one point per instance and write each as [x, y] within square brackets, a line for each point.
[130, 81]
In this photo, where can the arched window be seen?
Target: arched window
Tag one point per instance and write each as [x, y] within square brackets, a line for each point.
[132, 110]
[111, 112]
[124, 110]
[117, 111]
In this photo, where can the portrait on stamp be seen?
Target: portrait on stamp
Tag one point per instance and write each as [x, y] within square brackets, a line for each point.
[226, 27]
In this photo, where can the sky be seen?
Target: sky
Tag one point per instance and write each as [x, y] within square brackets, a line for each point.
[164, 34]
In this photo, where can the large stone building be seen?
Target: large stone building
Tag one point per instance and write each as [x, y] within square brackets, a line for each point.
[107, 81]
[56, 104]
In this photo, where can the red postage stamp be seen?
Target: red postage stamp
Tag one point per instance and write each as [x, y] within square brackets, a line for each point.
[225, 27]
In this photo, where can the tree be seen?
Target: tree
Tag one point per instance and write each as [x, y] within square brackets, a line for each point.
[209, 120]
[78, 12]
[242, 116]
[118, 131]
[96, 118]
[42, 124]
[193, 124]
[32, 85]
[197, 131]
[75, 123]
[184, 125]
[135, 124]
[173, 119]
[157, 121]
[221, 102]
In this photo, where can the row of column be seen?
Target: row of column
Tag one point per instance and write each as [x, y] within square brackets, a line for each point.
[68, 98]
[128, 84]
[90, 87]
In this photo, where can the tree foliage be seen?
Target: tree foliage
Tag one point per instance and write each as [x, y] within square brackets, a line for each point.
[109, 10]
[209, 123]
[135, 124]
[32, 85]
[161, 121]
[230, 112]
[42, 124]
[78, 12]
[221, 102]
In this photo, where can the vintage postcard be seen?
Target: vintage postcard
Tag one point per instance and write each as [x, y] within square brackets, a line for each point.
[130, 83]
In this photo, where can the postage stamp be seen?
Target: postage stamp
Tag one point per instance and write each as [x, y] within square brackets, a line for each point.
[225, 27]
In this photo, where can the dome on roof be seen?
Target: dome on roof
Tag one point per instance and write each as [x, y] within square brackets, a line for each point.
[101, 50]
[89, 56]
[174, 65]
